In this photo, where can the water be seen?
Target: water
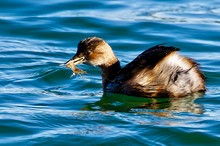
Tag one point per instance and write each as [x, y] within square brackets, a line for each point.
[41, 104]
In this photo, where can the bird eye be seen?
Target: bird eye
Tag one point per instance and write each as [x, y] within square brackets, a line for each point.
[90, 51]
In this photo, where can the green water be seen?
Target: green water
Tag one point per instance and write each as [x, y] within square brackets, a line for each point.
[41, 105]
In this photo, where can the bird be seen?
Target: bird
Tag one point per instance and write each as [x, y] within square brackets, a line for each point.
[160, 71]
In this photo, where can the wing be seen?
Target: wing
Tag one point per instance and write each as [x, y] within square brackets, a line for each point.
[143, 62]
[146, 60]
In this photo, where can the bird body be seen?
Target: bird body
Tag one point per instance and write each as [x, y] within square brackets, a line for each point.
[157, 72]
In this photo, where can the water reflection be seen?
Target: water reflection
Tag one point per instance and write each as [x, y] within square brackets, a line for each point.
[163, 107]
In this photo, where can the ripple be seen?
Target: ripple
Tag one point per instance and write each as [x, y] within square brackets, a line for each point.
[42, 105]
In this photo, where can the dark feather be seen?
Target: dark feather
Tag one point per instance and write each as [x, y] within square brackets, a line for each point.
[147, 59]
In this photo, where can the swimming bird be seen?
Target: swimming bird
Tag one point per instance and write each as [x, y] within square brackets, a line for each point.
[157, 72]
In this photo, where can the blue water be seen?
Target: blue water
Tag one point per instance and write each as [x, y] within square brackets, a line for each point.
[41, 105]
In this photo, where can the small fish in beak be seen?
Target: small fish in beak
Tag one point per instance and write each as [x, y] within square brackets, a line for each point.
[72, 64]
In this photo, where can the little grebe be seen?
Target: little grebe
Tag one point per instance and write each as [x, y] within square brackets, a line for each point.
[157, 72]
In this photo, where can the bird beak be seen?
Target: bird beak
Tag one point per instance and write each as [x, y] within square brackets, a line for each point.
[75, 60]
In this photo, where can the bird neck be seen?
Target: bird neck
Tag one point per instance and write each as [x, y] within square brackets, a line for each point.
[109, 72]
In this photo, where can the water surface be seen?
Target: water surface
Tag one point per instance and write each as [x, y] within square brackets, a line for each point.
[41, 104]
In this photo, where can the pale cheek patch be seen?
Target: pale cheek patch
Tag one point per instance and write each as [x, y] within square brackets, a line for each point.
[104, 56]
